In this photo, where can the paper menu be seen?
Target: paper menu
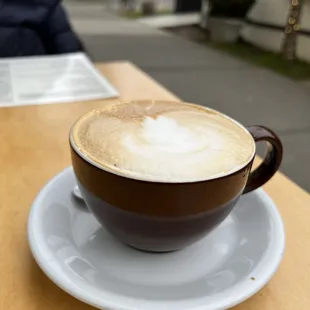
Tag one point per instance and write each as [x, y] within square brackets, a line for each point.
[51, 79]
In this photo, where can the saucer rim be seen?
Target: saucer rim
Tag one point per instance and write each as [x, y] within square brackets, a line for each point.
[79, 293]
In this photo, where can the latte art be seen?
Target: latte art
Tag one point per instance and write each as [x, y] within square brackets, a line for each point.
[164, 135]
[163, 141]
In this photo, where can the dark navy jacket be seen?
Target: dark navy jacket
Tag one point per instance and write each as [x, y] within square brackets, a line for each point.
[35, 27]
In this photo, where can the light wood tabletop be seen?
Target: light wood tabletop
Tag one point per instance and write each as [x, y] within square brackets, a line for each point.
[34, 147]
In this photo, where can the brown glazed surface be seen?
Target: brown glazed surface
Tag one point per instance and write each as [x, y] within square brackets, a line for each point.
[157, 217]
[272, 160]
[156, 234]
[159, 199]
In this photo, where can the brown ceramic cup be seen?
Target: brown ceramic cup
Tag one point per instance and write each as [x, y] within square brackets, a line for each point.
[162, 217]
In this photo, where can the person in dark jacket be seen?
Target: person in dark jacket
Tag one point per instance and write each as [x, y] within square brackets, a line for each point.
[35, 27]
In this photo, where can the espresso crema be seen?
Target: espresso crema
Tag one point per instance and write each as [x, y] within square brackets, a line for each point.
[163, 141]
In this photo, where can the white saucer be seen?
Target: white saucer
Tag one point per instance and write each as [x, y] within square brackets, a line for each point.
[222, 270]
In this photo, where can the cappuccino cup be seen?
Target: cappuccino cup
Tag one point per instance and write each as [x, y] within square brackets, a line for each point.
[161, 175]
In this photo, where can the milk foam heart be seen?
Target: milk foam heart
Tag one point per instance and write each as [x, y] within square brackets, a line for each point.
[163, 141]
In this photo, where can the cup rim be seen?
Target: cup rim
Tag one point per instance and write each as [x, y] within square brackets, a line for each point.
[146, 179]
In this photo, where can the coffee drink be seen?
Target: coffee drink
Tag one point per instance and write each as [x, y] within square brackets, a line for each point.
[163, 141]
[161, 175]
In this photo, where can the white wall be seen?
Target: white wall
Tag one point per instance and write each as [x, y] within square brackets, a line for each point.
[276, 12]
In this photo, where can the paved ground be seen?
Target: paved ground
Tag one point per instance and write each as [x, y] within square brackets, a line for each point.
[171, 20]
[197, 74]
[116, 5]
[159, 4]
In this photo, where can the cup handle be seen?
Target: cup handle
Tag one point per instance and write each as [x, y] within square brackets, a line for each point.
[270, 163]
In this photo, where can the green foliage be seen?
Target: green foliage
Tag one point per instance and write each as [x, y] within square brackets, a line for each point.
[230, 8]
[296, 69]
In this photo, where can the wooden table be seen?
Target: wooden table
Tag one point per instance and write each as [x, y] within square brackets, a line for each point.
[34, 147]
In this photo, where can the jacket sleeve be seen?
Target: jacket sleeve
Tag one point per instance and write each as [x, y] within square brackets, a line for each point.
[57, 34]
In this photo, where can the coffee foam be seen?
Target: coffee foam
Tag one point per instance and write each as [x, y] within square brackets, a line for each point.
[163, 141]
